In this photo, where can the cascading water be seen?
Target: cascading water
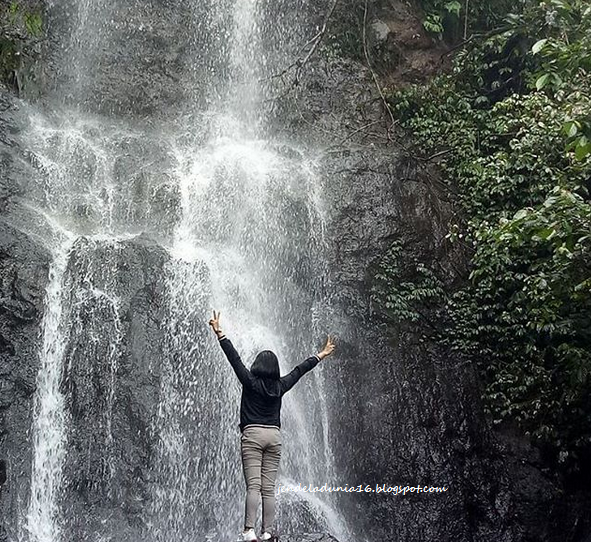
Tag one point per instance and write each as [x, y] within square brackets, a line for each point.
[49, 429]
[241, 218]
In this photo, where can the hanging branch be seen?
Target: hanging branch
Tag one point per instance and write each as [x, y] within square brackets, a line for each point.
[390, 134]
[373, 73]
[298, 65]
[335, 147]
[466, 19]
[313, 42]
[483, 35]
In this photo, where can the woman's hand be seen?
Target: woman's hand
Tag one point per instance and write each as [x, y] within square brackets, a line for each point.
[328, 348]
[215, 324]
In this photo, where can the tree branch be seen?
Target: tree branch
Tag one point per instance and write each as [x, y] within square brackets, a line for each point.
[315, 41]
[373, 73]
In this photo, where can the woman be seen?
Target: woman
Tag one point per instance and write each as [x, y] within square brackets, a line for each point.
[260, 407]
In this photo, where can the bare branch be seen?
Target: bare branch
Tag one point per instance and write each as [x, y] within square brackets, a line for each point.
[315, 41]
[436, 155]
[391, 135]
[361, 129]
[373, 73]
[466, 9]
[474, 36]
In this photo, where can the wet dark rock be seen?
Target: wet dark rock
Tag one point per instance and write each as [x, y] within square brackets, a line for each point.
[8, 183]
[148, 60]
[113, 383]
[289, 507]
[400, 48]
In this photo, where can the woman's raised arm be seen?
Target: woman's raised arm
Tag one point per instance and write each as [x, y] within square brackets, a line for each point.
[290, 380]
[243, 374]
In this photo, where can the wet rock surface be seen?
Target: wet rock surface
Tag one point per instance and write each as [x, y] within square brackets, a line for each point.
[113, 382]
[138, 60]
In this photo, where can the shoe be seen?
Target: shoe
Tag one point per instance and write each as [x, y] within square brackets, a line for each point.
[266, 536]
[249, 536]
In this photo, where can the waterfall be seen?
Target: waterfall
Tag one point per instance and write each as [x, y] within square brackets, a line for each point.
[241, 218]
[50, 417]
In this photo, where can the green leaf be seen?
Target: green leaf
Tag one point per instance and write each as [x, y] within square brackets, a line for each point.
[453, 7]
[570, 128]
[582, 150]
[542, 81]
[538, 46]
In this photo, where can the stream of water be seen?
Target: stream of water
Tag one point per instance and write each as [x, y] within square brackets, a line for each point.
[242, 223]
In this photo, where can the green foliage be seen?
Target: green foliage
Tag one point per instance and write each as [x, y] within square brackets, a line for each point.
[22, 18]
[405, 289]
[19, 27]
[33, 23]
[447, 19]
[526, 318]
[344, 37]
[442, 17]
[564, 71]
[514, 120]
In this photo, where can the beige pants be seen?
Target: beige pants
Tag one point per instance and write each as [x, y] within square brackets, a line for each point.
[261, 452]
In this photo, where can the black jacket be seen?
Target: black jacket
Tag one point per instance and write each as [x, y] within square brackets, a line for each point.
[261, 398]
